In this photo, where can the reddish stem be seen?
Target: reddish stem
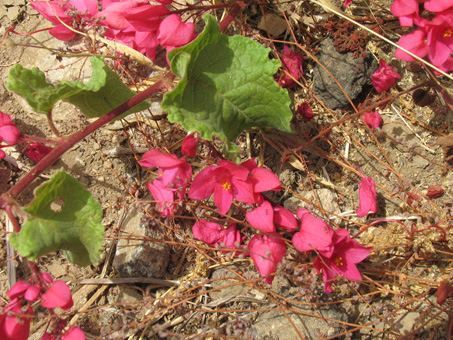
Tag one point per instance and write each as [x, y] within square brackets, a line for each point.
[238, 7]
[27, 138]
[8, 197]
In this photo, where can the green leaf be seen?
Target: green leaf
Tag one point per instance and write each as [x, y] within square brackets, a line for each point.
[74, 227]
[226, 86]
[101, 94]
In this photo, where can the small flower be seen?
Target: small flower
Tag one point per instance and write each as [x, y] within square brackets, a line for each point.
[292, 62]
[12, 325]
[367, 197]
[266, 252]
[226, 181]
[373, 119]
[347, 3]
[347, 253]
[384, 77]
[58, 295]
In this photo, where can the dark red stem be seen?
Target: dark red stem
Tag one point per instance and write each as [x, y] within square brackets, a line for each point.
[8, 197]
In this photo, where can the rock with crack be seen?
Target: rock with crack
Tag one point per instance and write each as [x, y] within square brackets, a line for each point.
[139, 252]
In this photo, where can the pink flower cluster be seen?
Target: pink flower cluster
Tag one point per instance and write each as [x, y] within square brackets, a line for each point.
[9, 133]
[135, 23]
[384, 77]
[337, 252]
[433, 36]
[174, 175]
[15, 317]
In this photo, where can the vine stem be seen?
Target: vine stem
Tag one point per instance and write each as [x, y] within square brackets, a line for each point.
[8, 198]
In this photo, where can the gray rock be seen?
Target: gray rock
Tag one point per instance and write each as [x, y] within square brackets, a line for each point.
[227, 283]
[275, 323]
[352, 73]
[137, 256]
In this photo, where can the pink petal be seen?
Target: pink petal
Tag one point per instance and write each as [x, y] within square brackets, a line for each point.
[265, 180]
[367, 197]
[284, 218]
[208, 232]
[262, 218]
[305, 111]
[18, 289]
[314, 234]
[154, 158]
[373, 119]
[222, 198]
[437, 5]
[189, 145]
[9, 133]
[203, 184]
[164, 197]
[413, 42]
[32, 293]
[146, 18]
[347, 3]
[17, 328]
[174, 33]
[62, 33]
[401, 8]
[89, 7]
[249, 164]
[36, 151]
[58, 295]
[243, 190]
[266, 252]
[232, 237]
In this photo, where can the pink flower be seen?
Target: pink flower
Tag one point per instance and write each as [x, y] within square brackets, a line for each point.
[9, 133]
[305, 111]
[347, 3]
[367, 197]
[37, 151]
[12, 325]
[134, 23]
[314, 234]
[373, 119]
[215, 235]
[384, 77]
[58, 295]
[174, 33]
[434, 38]
[164, 196]
[266, 252]
[262, 218]
[58, 11]
[292, 62]
[406, 11]
[226, 181]
[189, 145]
[173, 171]
[347, 253]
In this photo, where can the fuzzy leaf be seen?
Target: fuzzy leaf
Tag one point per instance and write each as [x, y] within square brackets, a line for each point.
[74, 227]
[226, 86]
[102, 93]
